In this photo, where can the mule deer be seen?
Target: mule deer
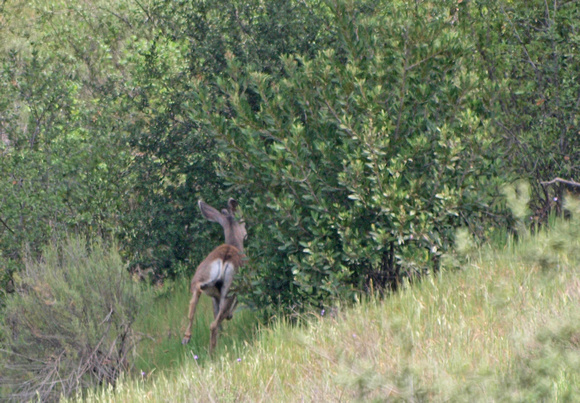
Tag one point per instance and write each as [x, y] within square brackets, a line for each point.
[215, 274]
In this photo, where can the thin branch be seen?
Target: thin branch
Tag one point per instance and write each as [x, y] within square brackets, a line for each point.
[560, 180]
[412, 66]
[107, 318]
[520, 41]
[403, 89]
[6, 225]
[142, 7]
[561, 5]
[120, 17]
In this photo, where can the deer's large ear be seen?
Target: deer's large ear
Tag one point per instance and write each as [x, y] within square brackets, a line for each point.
[211, 213]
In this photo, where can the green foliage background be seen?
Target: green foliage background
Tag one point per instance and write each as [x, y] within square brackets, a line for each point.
[527, 58]
[357, 135]
[361, 161]
[64, 156]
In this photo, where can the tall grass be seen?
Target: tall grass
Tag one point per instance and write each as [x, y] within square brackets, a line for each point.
[504, 327]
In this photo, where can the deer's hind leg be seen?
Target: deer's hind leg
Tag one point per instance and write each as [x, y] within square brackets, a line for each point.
[225, 308]
[226, 305]
[233, 304]
[216, 306]
[192, 306]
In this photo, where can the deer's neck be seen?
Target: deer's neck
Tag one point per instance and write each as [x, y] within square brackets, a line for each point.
[235, 244]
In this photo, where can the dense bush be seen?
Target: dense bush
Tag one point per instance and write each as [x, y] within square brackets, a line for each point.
[63, 157]
[528, 57]
[359, 134]
[360, 161]
[175, 162]
[69, 325]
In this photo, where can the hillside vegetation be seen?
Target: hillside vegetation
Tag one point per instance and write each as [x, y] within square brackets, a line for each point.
[357, 136]
[505, 327]
[367, 144]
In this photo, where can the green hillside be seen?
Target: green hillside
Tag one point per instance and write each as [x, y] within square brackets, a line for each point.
[504, 327]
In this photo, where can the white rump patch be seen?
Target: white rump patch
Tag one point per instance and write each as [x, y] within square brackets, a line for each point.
[219, 271]
[215, 272]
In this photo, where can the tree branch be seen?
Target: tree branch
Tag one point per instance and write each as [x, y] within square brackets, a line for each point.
[560, 180]
[6, 225]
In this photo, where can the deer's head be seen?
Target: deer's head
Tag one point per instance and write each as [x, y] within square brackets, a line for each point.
[234, 229]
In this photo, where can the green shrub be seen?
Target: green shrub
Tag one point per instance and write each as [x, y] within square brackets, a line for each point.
[550, 369]
[63, 155]
[69, 325]
[359, 162]
[175, 162]
[526, 53]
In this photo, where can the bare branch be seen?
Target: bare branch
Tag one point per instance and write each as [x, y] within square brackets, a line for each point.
[560, 180]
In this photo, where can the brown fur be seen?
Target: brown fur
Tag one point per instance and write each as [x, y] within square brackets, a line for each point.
[217, 284]
[225, 252]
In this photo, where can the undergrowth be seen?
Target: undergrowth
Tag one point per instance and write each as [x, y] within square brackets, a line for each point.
[162, 328]
[70, 324]
[502, 328]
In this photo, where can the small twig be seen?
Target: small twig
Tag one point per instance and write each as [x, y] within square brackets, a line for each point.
[107, 318]
[407, 68]
[120, 17]
[560, 180]
[520, 41]
[6, 225]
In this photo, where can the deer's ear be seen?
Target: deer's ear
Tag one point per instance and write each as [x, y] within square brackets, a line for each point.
[232, 206]
[211, 213]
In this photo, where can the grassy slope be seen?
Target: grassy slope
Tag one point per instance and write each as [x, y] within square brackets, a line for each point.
[503, 328]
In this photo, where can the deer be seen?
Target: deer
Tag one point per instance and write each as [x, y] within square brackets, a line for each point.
[215, 273]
